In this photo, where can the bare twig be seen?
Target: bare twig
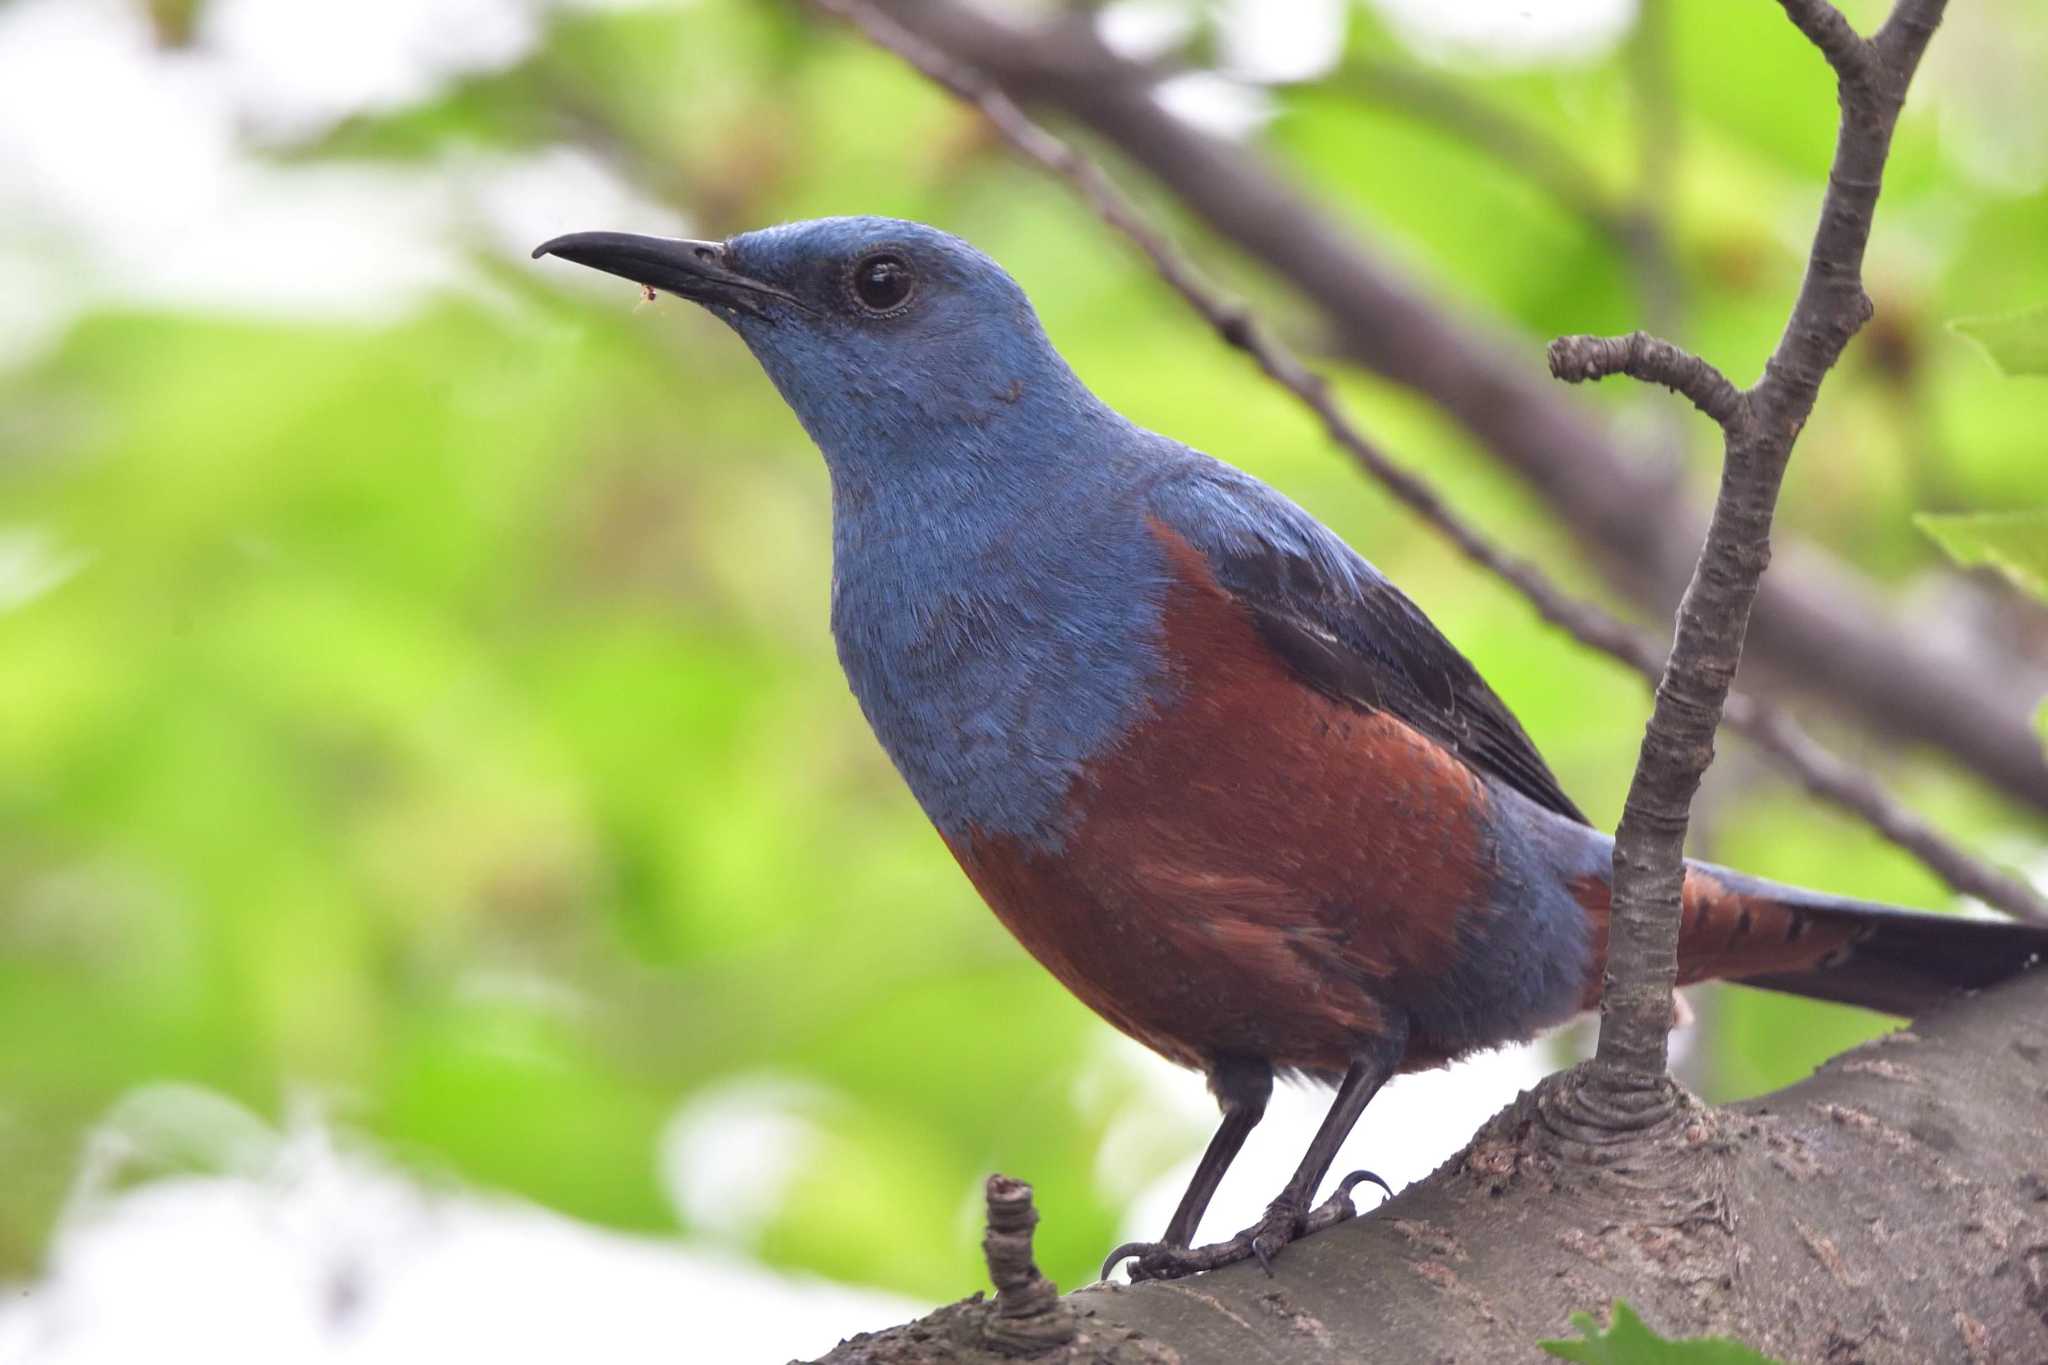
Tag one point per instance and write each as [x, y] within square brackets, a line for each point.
[1773, 730]
[1030, 1317]
[1846, 50]
[1760, 427]
[1576, 359]
[1816, 625]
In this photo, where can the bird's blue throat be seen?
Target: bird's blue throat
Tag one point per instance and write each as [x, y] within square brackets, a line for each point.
[997, 614]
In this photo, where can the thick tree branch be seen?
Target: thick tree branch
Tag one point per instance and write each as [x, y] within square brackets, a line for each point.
[1774, 731]
[1815, 625]
[1892, 1210]
[1713, 617]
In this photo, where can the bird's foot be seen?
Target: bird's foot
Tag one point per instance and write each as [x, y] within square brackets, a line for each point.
[1283, 1223]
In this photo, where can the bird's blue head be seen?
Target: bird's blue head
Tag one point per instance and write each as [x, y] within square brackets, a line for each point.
[994, 593]
[895, 343]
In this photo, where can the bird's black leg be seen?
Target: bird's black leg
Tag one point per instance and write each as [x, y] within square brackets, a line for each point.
[1242, 1085]
[1289, 1216]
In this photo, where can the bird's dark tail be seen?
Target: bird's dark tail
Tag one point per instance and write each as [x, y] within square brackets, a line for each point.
[1781, 938]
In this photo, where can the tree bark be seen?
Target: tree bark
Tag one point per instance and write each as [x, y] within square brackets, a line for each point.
[1893, 1207]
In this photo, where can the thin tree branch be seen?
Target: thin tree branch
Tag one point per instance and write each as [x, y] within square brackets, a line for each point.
[1816, 624]
[1577, 359]
[1713, 617]
[1904, 36]
[1773, 730]
[1847, 51]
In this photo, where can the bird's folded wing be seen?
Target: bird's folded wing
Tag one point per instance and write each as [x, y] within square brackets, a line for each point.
[1343, 628]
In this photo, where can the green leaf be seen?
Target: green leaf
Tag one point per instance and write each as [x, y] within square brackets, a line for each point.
[2016, 342]
[2014, 543]
[1629, 1342]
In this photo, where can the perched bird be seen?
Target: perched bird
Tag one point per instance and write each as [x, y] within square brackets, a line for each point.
[1212, 769]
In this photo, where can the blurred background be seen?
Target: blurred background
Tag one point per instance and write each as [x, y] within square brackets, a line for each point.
[448, 899]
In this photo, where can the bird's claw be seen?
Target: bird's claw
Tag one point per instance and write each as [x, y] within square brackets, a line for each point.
[1353, 1181]
[1266, 1246]
[1125, 1252]
[1262, 1241]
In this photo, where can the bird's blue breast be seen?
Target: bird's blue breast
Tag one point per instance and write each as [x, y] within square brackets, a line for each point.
[999, 649]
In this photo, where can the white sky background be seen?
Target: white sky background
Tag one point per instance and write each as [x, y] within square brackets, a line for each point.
[123, 177]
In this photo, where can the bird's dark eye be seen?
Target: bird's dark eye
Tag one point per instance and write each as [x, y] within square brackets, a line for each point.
[882, 282]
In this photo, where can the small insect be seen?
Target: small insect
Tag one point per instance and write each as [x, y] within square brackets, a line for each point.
[647, 293]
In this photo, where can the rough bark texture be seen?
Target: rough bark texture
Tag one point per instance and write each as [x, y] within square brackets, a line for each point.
[1891, 1208]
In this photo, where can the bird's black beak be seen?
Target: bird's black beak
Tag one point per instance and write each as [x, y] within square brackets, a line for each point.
[699, 271]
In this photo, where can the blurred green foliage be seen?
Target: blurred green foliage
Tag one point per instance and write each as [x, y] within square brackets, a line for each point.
[2014, 543]
[439, 716]
[1628, 1341]
[2016, 342]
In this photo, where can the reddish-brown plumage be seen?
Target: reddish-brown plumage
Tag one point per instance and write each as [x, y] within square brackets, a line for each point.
[1255, 865]
[1724, 935]
[1261, 870]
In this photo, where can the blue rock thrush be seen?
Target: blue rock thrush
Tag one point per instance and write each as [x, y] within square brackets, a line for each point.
[1218, 775]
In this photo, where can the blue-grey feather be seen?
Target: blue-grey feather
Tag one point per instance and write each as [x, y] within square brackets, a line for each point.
[994, 601]
[1505, 985]
[998, 592]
